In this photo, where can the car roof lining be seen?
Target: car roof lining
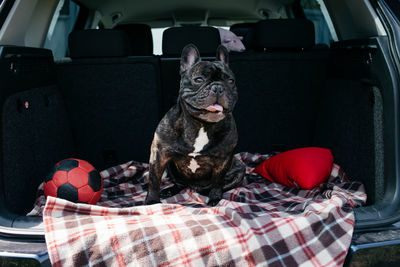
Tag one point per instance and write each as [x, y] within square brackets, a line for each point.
[174, 12]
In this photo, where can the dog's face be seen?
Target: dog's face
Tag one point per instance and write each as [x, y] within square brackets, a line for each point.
[208, 90]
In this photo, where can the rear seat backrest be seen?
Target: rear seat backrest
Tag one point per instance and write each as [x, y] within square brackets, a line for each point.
[140, 37]
[206, 39]
[112, 99]
[35, 132]
[279, 87]
[98, 43]
[284, 34]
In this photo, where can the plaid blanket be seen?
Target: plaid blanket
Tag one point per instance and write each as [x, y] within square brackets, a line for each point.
[258, 224]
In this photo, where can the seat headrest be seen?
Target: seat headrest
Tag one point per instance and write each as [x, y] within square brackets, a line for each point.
[284, 34]
[246, 30]
[98, 43]
[140, 37]
[206, 39]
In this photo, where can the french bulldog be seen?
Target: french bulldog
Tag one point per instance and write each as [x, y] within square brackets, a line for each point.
[196, 140]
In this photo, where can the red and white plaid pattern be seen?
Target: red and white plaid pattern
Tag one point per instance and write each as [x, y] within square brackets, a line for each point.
[260, 223]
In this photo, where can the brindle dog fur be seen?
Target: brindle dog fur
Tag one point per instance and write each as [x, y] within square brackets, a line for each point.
[197, 138]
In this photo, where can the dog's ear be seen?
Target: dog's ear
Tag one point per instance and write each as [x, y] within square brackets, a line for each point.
[190, 56]
[223, 54]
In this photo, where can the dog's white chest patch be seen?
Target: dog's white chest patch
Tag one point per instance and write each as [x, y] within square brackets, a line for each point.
[199, 143]
[193, 166]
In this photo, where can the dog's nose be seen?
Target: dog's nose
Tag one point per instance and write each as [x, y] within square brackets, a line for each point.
[217, 89]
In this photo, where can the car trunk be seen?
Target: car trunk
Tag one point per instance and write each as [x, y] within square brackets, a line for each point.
[105, 110]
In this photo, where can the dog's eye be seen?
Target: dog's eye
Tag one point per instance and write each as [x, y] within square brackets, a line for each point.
[198, 80]
[231, 81]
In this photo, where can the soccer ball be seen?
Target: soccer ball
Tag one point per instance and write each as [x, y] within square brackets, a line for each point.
[75, 180]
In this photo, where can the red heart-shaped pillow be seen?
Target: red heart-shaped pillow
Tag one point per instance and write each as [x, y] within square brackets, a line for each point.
[303, 168]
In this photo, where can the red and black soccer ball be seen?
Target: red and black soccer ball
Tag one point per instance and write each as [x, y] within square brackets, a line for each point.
[75, 180]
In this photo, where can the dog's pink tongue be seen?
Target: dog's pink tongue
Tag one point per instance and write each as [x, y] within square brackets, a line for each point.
[215, 107]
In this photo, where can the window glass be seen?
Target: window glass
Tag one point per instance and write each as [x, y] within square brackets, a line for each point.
[5, 7]
[60, 27]
[1, 5]
[317, 13]
[157, 40]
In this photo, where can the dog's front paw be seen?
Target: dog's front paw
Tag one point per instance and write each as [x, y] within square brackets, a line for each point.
[215, 196]
[213, 202]
[170, 191]
[150, 200]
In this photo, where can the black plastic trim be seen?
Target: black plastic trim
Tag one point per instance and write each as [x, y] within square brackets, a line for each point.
[387, 211]
[21, 250]
[354, 248]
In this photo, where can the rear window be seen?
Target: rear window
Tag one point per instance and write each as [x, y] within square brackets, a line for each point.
[157, 40]
[61, 26]
[316, 12]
